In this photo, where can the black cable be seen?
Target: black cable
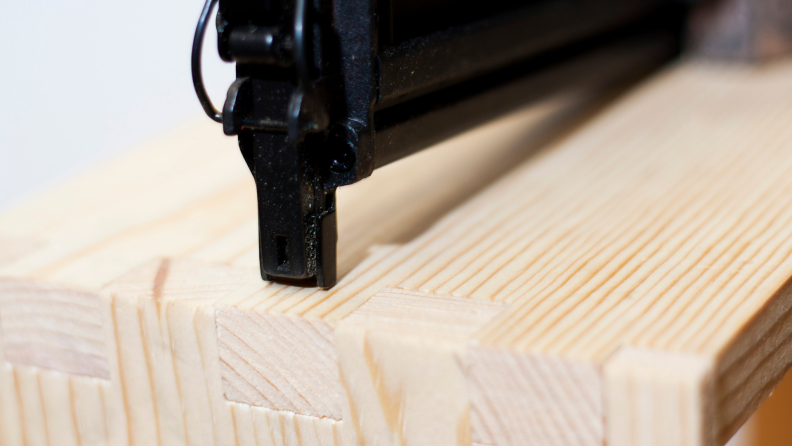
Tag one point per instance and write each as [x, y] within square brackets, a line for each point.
[200, 90]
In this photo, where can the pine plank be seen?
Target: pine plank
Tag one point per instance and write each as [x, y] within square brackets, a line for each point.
[659, 231]
[628, 286]
[402, 366]
[64, 255]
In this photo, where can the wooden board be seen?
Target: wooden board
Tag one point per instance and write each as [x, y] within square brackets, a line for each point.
[625, 286]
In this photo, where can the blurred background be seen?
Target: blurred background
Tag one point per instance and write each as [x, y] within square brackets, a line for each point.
[84, 79]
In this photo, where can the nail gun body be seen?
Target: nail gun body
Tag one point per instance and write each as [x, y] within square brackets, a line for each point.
[328, 91]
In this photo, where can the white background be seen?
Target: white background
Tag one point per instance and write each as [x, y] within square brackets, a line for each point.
[81, 80]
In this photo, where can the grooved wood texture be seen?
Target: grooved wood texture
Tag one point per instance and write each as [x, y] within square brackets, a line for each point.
[526, 399]
[190, 195]
[753, 365]
[636, 273]
[432, 315]
[664, 224]
[166, 373]
[402, 363]
[45, 407]
[678, 386]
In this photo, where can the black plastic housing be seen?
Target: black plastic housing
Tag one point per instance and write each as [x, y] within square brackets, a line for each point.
[327, 91]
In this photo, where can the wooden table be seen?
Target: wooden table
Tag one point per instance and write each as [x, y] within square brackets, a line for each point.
[627, 284]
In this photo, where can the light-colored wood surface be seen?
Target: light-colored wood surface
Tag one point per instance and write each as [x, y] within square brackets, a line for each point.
[402, 364]
[625, 286]
[190, 196]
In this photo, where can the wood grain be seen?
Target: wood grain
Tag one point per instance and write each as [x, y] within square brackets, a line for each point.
[279, 361]
[628, 285]
[53, 327]
[672, 238]
[190, 195]
[657, 398]
[164, 385]
[165, 372]
[44, 407]
[525, 399]
[402, 364]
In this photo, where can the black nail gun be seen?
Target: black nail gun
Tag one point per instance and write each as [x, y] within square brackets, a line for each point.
[329, 90]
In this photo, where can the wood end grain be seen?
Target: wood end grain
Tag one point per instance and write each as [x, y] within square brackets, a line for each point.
[52, 327]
